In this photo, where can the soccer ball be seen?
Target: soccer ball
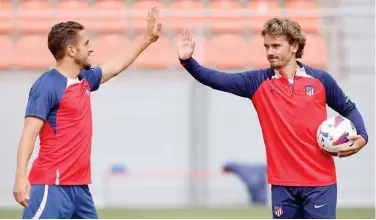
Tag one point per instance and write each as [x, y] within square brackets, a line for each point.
[333, 132]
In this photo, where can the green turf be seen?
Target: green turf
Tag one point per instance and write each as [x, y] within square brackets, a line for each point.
[254, 212]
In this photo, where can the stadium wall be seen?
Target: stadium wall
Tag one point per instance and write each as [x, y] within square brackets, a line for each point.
[144, 121]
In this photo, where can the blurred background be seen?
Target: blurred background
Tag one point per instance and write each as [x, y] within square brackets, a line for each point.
[165, 146]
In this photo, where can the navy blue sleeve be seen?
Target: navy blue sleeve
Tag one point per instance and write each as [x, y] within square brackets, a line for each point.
[242, 84]
[42, 99]
[93, 76]
[338, 101]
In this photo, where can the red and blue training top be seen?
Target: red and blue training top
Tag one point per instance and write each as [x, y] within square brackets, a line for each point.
[66, 135]
[289, 114]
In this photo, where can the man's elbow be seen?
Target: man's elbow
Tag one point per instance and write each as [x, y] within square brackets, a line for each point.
[349, 109]
[114, 68]
[29, 134]
[107, 76]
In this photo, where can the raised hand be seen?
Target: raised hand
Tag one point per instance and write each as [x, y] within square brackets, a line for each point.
[185, 45]
[153, 29]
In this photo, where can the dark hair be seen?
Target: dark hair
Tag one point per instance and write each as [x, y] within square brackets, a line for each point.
[61, 35]
[288, 28]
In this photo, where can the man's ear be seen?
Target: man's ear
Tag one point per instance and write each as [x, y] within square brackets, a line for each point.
[295, 47]
[70, 50]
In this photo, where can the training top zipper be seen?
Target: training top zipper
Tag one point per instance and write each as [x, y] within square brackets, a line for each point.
[290, 86]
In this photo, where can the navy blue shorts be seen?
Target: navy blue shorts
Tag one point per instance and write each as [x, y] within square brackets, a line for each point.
[60, 202]
[304, 202]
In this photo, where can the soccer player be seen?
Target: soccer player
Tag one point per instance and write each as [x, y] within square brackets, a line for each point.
[59, 111]
[290, 99]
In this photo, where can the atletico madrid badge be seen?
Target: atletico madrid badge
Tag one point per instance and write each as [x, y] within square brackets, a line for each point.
[278, 210]
[310, 90]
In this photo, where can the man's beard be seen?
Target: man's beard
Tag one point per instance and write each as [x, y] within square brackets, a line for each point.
[87, 66]
[84, 65]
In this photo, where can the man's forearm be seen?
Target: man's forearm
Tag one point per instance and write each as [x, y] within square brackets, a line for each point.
[126, 59]
[228, 82]
[356, 118]
[116, 65]
[25, 149]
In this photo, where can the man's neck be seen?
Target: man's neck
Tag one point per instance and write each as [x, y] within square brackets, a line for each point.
[290, 68]
[69, 70]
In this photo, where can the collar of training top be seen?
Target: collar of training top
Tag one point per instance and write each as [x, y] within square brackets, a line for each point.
[299, 72]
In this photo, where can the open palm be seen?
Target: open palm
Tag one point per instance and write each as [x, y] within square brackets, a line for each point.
[153, 29]
[185, 45]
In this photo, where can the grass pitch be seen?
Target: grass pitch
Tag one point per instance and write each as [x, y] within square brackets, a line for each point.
[261, 212]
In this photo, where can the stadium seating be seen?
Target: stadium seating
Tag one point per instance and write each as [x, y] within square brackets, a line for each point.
[315, 51]
[225, 4]
[227, 51]
[225, 23]
[108, 45]
[309, 21]
[6, 52]
[31, 53]
[5, 26]
[72, 10]
[178, 21]
[108, 17]
[157, 56]
[265, 9]
[33, 17]
[145, 5]
[139, 10]
[227, 35]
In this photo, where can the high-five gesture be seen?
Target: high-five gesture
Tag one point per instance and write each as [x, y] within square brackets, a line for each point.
[153, 30]
[185, 45]
[118, 64]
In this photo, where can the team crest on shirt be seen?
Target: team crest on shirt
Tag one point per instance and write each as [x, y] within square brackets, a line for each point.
[310, 90]
[278, 210]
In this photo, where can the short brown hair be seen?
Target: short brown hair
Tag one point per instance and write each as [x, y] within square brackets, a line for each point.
[288, 28]
[61, 35]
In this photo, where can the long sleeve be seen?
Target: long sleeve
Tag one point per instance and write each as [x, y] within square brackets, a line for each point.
[339, 102]
[242, 84]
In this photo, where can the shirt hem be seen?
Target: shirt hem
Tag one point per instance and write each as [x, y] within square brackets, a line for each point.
[300, 183]
[52, 183]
